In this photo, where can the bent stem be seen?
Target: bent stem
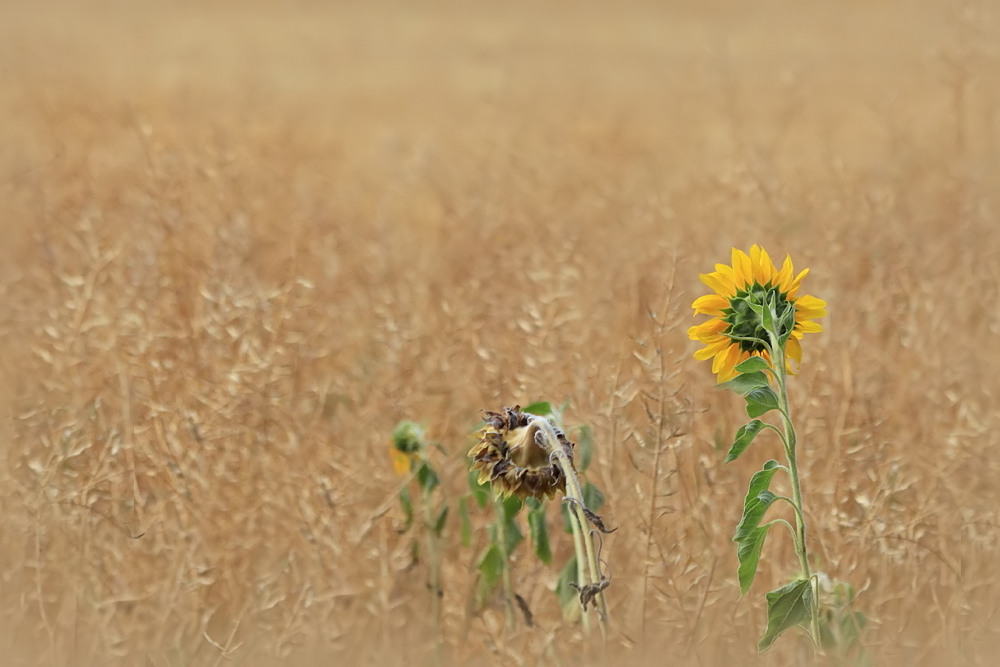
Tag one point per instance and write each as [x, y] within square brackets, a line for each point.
[581, 527]
[781, 377]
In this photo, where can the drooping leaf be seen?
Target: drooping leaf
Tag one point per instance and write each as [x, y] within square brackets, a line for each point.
[593, 498]
[584, 448]
[750, 534]
[540, 408]
[787, 607]
[480, 492]
[491, 565]
[752, 365]
[567, 594]
[439, 522]
[744, 437]
[407, 504]
[745, 383]
[463, 514]
[538, 528]
[426, 477]
[507, 523]
[760, 401]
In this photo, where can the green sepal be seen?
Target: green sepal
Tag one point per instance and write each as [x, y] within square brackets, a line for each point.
[744, 383]
[787, 607]
[750, 534]
[408, 437]
[539, 530]
[744, 437]
[752, 365]
[760, 401]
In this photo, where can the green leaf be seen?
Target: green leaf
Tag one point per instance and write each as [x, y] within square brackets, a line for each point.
[538, 527]
[745, 383]
[752, 365]
[540, 408]
[491, 566]
[507, 511]
[760, 401]
[750, 534]
[426, 477]
[787, 607]
[744, 437]
[463, 514]
[584, 448]
[407, 504]
[567, 594]
[480, 492]
[592, 497]
[439, 522]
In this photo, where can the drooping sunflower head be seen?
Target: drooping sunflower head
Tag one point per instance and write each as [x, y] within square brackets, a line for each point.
[509, 457]
[737, 330]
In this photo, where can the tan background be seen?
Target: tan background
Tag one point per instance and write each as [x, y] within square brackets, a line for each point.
[242, 240]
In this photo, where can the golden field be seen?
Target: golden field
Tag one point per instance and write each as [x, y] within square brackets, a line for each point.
[241, 241]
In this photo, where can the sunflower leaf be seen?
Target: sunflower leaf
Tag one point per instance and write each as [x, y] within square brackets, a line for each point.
[407, 504]
[745, 383]
[753, 364]
[750, 534]
[539, 408]
[538, 527]
[744, 437]
[491, 566]
[480, 492]
[426, 477]
[584, 448]
[567, 594]
[787, 607]
[463, 514]
[760, 400]
[439, 522]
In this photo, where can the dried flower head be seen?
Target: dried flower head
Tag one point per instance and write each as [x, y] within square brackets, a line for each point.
[509, 457]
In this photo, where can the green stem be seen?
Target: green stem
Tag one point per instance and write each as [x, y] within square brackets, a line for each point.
[781, 379]
[435, 575]
[508, 588]
[581, 526]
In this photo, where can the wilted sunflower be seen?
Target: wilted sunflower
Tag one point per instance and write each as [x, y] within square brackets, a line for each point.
[735, 332]
[508, 457]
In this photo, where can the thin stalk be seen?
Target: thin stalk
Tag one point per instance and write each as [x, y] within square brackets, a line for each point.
[582, 525]
[781, 379]
[435, 575]
[508, 588]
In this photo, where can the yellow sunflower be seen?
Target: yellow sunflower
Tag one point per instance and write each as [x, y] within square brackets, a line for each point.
[735, 332]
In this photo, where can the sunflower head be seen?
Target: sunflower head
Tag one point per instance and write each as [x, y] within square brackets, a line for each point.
[509, 458]
[408, 445]
[751, 299]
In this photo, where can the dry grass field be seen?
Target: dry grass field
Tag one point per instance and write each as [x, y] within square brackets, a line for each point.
[241, 241]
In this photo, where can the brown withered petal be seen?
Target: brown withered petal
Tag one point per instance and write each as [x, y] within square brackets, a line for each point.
[508, 458]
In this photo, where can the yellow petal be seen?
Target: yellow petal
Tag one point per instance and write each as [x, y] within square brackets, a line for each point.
[794, 286]
[783, 281]
[763, 267]
[742, 269]
[808, 326]
[710, 304]
[720, 283]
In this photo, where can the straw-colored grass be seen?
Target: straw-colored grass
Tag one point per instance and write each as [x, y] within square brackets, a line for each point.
[241, 242]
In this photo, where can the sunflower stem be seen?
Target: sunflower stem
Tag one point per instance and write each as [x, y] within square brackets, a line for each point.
[790, 441]
[581, 527]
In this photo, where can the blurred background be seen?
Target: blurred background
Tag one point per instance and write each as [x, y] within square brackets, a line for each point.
[241, 241]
